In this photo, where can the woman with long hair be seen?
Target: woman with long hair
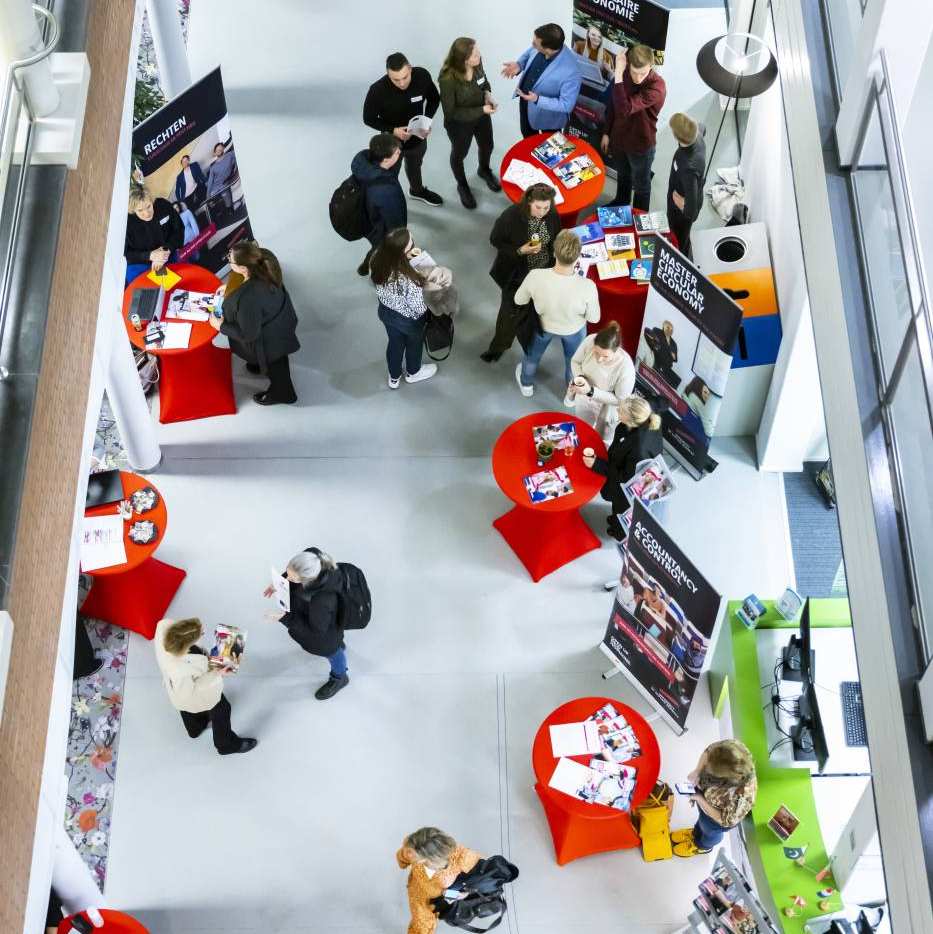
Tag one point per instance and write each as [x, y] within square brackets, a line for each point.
[402, 308]
[467, 101]
[260, 320]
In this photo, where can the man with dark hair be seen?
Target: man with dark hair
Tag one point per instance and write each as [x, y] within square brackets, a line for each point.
[376, 169]
[550, 81]
[401, 93]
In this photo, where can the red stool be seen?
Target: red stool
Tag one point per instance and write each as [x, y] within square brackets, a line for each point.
[115, 922]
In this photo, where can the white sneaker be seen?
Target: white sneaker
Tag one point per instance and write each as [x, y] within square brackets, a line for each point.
[426, 372]
[527, 391]
[611, 585]
[393, 383]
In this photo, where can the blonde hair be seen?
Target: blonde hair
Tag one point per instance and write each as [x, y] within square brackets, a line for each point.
[181, 635]
[729, 759]
[640, 55]
[566, 247]
[432, 845]
[684, 128]
[139, 197]
[638, 411]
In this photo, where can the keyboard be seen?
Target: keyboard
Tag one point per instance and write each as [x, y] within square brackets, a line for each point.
[853, 714]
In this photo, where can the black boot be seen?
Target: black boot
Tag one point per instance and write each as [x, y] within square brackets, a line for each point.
[466, 197]
[490, 179]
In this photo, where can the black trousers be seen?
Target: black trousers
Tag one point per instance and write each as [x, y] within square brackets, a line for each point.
[461, 136]
[680, 228]
[413, 158]
[506, 322]
[633, 171]
[280, 381]
[219, 718]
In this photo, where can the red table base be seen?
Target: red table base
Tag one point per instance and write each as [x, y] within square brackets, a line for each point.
[575, 836]
[137, 599]
[115, 922]
[196, 384]
[546, 541]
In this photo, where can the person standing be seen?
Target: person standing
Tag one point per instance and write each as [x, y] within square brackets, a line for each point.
[664, 349]
[402, 307]
[550, 81]
[523, 235]
[190, 183]
[314, 620]
[220, 172]
[153, 233]
[603, 375]
[194, 688]
[631, 130]
[468, 104]
[564, 302]
[260, 321]
[376, 169]
[434, 860]
[685, 185]
[401, 93]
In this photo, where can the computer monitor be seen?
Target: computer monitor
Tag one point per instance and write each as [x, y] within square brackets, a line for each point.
[808, 736]
[798, 661]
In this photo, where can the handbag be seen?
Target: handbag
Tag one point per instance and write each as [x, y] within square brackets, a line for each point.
[438, 334]
[528, 325]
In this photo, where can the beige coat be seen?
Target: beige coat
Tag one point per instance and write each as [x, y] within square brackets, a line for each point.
[422, 889]
[564, 303]
[192, 686]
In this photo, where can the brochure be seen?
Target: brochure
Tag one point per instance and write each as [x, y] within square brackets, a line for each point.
[524, 174]
[575, 779]
[563, 435]
[420, 126]
[640, 270]
[783, 822]
[575, 739]
[653, 222]
[617, 786]
[615, 215]
[281, 591]
[102, 544]
[423, 261]
[646, 246]
[620, 243]
[229, 643]
[554, 149]
[594, 252]
[612, 268]
[576, 171]
[619, 740]
[548, 484]
[588, 233]
[651, 482]
[190, 306]
[581, 267]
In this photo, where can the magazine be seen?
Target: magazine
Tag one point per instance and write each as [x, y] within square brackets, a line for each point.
[620, 243]
[640, 270]
[554, 149]
[615, 215]
[548, 484]
[561, 434]
[595, 784]
[588, 233]
[420, 126]
[190, 306]
[612, 268]
[651, 482]
[617, 783]
[581, 267]
[619, 740]
[646, 246]
[578, 170]
[524, 174]
[229, 643]
[653, 222]
[594, 252]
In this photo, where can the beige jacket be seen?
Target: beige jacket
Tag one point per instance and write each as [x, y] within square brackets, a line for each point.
[423, 889]
[564, 303]
[192, 686]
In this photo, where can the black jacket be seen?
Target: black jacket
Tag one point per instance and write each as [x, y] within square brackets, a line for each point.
[630, 446]
[387, 107]
[164, 230]
[314, 619]
[686, 178]
[260, 321]
[509, 232]
[386, 207]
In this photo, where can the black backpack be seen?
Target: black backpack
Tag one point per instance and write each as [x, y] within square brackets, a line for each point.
[439, 335]
[356, 603]
[348, 208]
[482, 897]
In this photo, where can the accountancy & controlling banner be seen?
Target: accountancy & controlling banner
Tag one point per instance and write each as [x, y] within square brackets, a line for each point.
[600, 29]
[662, 621]
[194, 126]
[685, 351]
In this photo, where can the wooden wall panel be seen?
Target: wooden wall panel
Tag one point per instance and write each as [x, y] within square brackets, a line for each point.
[40, 561]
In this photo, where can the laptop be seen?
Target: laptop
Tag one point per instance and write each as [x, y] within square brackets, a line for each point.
[103, 488]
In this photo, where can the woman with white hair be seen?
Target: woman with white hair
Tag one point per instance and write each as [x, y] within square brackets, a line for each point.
[314, 621]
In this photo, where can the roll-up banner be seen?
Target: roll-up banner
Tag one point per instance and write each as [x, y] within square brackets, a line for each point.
[184, 153]
[600, 29]
[685, 353]
[663, 617]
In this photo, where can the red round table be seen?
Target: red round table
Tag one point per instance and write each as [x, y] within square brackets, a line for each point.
[622, 299]
[579, 828]
[136, 594]
[575, 199]
[196, 381]
[548, 535]
[115, 922]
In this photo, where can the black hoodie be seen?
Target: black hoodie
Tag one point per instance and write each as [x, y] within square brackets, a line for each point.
[314, 619]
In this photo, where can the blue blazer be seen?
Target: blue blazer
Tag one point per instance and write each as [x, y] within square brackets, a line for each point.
[557, 89]
[196, 173]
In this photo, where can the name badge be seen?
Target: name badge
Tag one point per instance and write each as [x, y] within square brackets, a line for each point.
[415, 100]
[481, 79]
[164, 220]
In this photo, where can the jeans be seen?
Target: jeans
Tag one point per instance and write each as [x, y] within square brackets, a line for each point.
[706, 832]
[536, 351]
[219, 718]
[406, 341]
[461, 136]
[413, 158]
[633, 170]
[338, 663]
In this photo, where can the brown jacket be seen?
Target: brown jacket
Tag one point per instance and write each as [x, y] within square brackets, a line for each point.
[421, 889]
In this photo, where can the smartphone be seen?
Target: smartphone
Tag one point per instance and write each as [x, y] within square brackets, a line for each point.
[685, 788]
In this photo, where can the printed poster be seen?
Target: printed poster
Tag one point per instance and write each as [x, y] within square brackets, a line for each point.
[663, 616]
[184, 153]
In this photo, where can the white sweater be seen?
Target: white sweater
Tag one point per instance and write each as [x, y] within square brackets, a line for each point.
[564, 303]
[192, 686]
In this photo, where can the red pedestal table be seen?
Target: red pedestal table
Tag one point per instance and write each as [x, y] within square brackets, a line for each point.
[577, 827]
[575, 199]
[195, 381]
[136, 594]
[115, 922]
[547, 535]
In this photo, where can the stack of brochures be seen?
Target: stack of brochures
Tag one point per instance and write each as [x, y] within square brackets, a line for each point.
[646, 246]
[612, 268]
[621, 245]
[618, 738]
[548, 484]
[190, 306]
[594, 252]
[615, 215]
[524, 175]
[554, 149]
[588, 233]
[563, 435]
[653, 222]
[640, 270]
[600, 782]
[576, 171]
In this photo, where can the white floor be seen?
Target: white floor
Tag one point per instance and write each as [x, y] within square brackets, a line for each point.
[465, 656]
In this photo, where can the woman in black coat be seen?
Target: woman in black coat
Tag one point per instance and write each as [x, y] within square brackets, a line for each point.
[637, 438]
[260, 321]
[524, 238]
[314, 618]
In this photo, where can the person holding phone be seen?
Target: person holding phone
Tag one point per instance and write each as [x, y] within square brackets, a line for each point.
[153, 233]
